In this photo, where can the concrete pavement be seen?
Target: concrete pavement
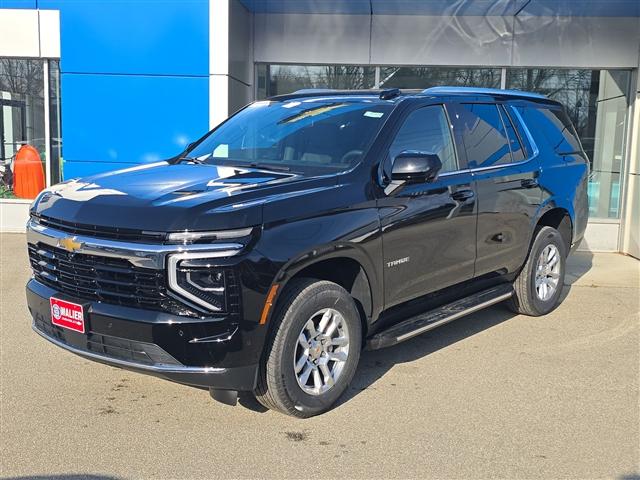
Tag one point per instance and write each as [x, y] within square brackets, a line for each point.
[493, 395]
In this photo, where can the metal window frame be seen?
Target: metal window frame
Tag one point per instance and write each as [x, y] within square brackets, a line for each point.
[46, 112]
[47, 122]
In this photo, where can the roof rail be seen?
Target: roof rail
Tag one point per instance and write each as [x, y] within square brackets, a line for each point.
[484, 91]
[315, 90]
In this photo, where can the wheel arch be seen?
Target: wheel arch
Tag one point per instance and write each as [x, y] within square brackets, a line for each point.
[558, 217]
[345, 267]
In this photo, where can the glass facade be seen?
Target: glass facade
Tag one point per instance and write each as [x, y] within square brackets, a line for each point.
[54, 121]
[23, 124]
[280, 79]
[597, 102]
[425, 77]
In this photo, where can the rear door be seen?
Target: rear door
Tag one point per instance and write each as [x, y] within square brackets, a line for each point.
[505, 170]
[428, 228]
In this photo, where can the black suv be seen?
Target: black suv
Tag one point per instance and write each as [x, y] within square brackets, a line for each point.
[306, 227]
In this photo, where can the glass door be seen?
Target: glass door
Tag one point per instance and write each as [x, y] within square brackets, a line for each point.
[12, 137]
[22, 123]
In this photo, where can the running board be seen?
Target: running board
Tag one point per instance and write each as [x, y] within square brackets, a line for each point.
[426, 321]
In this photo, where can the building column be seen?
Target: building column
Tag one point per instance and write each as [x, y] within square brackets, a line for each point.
[231, 74]
[631, 219]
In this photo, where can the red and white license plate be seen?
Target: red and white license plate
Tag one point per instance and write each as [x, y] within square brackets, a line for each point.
[67, 314]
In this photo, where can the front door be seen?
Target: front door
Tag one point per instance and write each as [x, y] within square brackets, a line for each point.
[429, 228]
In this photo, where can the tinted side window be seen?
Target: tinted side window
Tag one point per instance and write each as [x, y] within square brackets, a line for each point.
[484, 135]
[517, 152]
[568, 131]
[520, 128]
[556, 127]
[427, 130]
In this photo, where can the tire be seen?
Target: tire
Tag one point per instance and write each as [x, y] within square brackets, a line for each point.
[305, 300]
[527, 298]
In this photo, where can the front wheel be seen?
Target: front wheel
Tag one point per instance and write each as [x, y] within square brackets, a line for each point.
[314, 350]
[538, 288]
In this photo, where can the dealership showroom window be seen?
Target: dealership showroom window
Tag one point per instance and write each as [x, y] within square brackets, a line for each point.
[24, 105]
[597, 102]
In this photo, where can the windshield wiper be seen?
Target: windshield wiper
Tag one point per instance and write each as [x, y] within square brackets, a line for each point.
[192, 160]
[262, 166]
[265, 166]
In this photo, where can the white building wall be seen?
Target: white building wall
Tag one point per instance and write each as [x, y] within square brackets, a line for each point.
[19, 35]
[231, 61]
[27, 34]
[218, 61]
[49, 23]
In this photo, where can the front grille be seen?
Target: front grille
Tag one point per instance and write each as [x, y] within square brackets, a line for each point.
[109, 280]
[113, 347]
[112, 233]
[116, 281]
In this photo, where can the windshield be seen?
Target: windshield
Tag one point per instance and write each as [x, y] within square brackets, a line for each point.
[309, 136]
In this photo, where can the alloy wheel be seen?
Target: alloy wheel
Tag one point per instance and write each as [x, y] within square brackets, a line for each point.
[548, 272]
[321, 351]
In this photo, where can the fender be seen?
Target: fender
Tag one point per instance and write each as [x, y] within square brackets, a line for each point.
[367, 286]
[345, 223]
[550, 204]
[565, 186]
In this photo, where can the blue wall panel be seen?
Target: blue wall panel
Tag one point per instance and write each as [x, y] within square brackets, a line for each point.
[108, 120]
[18, 3]
[135, 79]
[169, 37]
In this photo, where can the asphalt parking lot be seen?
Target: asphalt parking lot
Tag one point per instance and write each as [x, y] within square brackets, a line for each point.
[493, 395]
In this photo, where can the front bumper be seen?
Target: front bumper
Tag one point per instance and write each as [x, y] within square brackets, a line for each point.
[200, 352]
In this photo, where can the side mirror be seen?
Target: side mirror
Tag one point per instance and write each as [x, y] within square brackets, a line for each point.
[412, 166]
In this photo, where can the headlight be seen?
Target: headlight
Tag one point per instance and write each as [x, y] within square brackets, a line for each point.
[192, 277]
[204, 286]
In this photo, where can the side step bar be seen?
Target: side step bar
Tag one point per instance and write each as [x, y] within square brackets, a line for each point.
[426, 321]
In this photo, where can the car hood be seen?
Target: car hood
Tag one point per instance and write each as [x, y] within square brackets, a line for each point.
[173, 197]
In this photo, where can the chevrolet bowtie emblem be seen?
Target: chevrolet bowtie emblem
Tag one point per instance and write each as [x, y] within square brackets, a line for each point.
[70, 244]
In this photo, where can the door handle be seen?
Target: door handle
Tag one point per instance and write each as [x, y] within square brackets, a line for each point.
[529, 183]
[462, 195]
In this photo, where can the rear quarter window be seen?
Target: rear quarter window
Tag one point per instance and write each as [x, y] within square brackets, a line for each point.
[556, 127]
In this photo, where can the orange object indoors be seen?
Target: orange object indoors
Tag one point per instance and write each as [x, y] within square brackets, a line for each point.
[28, 174]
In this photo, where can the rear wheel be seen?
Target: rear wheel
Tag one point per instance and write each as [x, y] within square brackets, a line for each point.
[314, 350]
[538, 288]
